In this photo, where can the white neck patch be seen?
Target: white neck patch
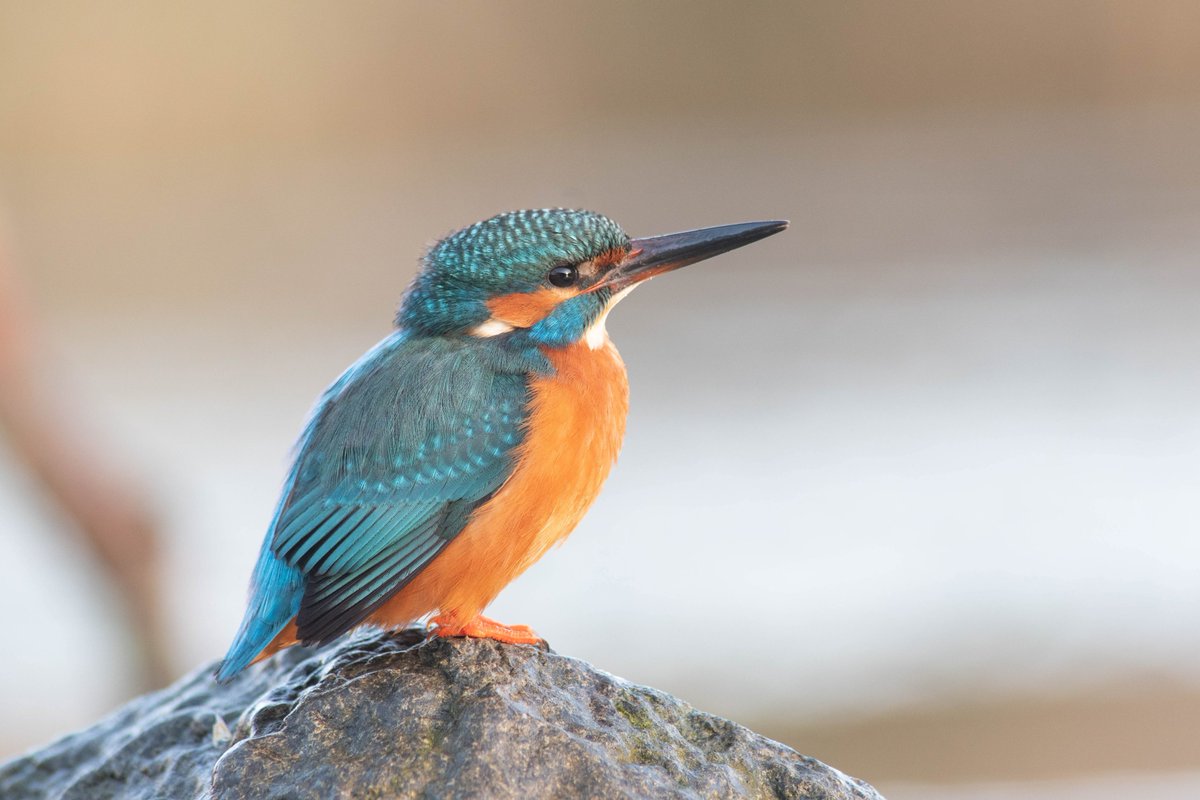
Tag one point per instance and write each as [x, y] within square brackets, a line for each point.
[492, 327]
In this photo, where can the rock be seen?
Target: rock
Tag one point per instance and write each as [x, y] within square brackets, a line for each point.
[379, 716]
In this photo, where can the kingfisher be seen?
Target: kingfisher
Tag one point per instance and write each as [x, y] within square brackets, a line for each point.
[452, 455]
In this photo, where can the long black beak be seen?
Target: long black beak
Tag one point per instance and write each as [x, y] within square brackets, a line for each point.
[655, 255]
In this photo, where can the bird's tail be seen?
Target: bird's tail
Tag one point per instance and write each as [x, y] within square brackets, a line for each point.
[275, 593]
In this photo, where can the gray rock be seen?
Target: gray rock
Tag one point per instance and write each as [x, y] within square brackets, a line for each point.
[380, 716]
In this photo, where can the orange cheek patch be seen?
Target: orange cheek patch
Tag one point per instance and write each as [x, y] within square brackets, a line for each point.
[524, 309]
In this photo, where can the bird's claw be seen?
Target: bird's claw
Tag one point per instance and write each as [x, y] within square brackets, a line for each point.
[449, 625]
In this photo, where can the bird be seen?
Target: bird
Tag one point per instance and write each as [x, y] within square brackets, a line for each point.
[453, 454]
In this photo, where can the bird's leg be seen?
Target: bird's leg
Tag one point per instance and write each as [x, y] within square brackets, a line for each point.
[480, 627]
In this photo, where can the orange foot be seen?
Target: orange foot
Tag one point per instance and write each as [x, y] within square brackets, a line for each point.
[483, 628]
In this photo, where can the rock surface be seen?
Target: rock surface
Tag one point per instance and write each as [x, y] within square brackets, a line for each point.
[381, 716]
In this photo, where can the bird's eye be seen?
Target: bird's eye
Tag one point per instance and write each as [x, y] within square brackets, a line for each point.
[563, 276]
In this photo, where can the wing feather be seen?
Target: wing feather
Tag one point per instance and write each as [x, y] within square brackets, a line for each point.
[399, 453]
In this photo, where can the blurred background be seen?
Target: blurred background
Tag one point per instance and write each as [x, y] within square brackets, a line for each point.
[911, 487]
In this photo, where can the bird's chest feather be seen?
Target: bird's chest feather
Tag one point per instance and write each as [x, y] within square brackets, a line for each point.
[575, 425]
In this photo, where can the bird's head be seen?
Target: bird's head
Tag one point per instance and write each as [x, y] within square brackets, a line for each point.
[551, 273]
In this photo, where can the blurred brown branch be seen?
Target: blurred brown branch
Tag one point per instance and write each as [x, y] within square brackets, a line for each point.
[111, 512]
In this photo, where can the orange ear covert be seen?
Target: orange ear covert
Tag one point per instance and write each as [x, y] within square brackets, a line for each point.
[525, 309]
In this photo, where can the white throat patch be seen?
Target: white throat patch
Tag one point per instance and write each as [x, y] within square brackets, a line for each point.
[597, 335]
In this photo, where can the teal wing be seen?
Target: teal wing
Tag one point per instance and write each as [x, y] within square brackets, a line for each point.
[400, 452]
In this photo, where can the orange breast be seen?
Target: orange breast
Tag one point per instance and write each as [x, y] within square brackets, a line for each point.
[576, 423]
